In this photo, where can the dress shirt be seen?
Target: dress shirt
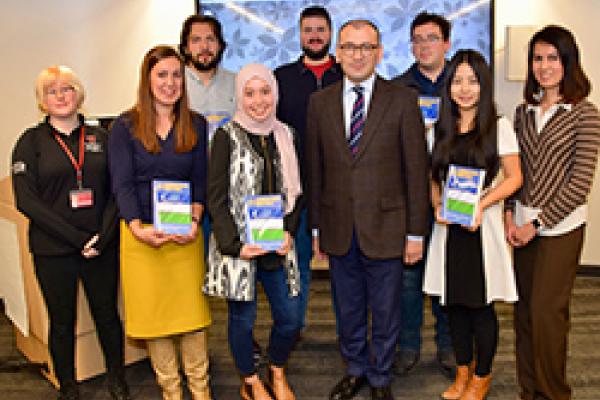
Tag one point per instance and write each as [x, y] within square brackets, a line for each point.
[349, 97]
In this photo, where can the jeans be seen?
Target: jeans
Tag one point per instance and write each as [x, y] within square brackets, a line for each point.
[412, 311]
[285, 316]
[206, 228]
[304, 251]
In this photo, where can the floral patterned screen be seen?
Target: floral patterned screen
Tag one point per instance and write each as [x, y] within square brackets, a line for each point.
[268, 32]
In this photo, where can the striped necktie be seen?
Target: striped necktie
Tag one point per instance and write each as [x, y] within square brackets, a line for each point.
[357, 119]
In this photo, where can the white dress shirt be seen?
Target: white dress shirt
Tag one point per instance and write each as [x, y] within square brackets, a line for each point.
[349, 97]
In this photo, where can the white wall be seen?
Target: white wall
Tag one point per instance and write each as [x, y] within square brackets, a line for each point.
[581, 17]
[104, 41]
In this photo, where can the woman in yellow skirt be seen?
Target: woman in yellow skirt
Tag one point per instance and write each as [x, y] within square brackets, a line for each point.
[160, 139]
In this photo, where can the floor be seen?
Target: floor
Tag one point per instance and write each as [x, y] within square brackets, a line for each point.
[316, 366]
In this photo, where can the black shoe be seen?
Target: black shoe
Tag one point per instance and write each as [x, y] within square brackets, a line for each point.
[405, 362]
[446, 363]
[117, 386]
[68, 391]
[382, 393]
[347, 388]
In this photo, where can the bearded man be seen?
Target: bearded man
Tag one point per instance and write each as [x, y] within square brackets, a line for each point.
[314, 70]
[210, 88]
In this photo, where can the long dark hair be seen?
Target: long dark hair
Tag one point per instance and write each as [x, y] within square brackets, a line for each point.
[483, 152]
[215, 25]
[143, 114]
[575, 85]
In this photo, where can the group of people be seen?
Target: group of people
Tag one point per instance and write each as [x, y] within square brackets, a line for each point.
[361, 175]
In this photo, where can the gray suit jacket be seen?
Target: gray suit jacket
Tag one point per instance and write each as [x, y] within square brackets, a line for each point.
[383, 192]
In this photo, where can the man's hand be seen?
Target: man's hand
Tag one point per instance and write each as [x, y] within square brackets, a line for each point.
[317, 250]
[413, 251]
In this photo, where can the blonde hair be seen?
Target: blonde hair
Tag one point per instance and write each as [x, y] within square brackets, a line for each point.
[54, 73]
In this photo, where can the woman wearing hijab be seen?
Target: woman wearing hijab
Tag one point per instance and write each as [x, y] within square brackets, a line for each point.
[160, 139]
[254, 154]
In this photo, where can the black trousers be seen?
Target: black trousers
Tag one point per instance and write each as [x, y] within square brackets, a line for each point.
[477, 326]
[58, 277]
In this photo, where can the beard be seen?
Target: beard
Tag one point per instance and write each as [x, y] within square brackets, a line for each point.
[207, 66]
[316, 55]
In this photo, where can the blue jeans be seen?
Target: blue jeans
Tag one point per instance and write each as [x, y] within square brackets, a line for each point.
[286, 322]
[412, 312]
[303, 243]
[206, 228]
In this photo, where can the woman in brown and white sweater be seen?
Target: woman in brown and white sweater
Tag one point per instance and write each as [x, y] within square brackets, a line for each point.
[559, 134]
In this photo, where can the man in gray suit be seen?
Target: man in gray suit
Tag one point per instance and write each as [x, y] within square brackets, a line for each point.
[368, 197]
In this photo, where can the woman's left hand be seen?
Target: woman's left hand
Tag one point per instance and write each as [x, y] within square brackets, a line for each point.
[287, 244]
[524, 234]
[476, 221]
[89, 251]
[190, 237]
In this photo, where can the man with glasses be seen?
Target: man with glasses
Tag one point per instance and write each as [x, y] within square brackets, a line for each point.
[315, 69]
[430, 37]
[367, 187]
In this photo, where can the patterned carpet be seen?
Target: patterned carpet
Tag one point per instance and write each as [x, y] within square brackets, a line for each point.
[316, 365]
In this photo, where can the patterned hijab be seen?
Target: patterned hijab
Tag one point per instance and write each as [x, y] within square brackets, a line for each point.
[283, 135]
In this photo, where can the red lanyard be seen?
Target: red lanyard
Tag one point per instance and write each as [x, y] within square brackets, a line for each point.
[77, 165]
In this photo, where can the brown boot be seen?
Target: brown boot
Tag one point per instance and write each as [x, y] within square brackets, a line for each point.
[478, 387]
[163, 356]
[463, 374]
[253, 389]
[194, 357]
[278, 384]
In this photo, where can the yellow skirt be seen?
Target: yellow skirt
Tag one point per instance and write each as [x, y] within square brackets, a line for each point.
[162, 288]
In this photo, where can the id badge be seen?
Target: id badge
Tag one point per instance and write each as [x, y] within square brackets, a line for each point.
[81, 198]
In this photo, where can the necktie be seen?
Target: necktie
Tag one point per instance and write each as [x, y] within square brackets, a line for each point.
[357, 119]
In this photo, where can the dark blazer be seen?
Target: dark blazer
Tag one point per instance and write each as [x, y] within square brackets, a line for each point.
[383, 192]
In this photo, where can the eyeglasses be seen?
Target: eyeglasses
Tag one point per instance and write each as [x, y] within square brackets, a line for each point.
[63, 91]
[366, 49]
[431, 38]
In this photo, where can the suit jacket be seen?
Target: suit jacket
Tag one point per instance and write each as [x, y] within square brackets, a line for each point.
[383, 192]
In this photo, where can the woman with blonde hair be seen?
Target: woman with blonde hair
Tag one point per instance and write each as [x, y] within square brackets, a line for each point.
[160, 139]
[61, 183]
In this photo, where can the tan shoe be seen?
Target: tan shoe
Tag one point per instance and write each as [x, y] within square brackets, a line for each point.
[463, 374]
[279, 385]
[194, 357]
[477, 388]
[253, 389]
[163, 356]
